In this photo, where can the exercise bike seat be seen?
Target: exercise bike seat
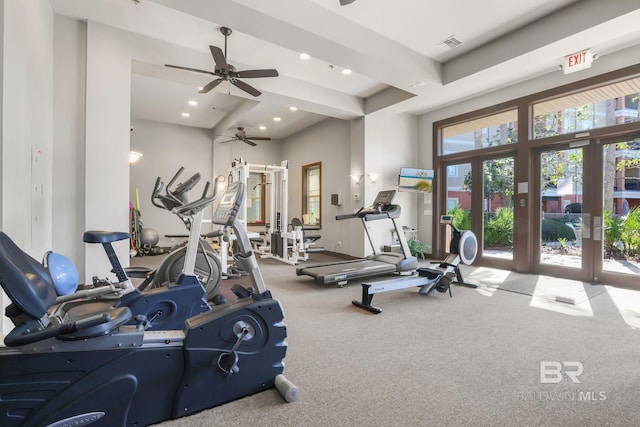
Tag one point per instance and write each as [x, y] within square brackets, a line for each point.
[97, 236]
[32, 292]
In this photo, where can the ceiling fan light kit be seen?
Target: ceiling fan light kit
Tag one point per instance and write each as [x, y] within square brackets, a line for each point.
[227, 72]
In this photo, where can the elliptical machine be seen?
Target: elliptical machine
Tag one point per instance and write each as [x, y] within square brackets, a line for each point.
[165, 306]
[92, 369]
[207, 265]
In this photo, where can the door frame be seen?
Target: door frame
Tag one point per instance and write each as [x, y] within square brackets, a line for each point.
[536, 224]
[592, 208]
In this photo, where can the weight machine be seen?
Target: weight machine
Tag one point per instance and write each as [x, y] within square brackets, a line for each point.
[278, 241]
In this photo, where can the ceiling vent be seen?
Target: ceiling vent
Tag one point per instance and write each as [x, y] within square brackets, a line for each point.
[450, 42]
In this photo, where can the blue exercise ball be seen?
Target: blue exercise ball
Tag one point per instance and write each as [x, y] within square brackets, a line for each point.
[63, 273]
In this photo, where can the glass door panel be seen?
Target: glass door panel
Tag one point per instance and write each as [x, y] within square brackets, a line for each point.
[620, 228]
[561, 201]
[498, 178]
[459, 195]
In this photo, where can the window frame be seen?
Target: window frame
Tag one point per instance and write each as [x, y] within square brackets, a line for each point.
[306, 204]
[522, 152]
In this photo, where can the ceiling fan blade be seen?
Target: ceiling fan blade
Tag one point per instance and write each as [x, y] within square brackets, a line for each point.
[245, 87]
[229, 140]
[190, 69]
[218, 57]
[249, 74]
[259, 138]
[251, 143]
[210, 85]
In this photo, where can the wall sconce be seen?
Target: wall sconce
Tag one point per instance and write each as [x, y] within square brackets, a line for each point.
[356, 179]
[373, 177]
[134, 156]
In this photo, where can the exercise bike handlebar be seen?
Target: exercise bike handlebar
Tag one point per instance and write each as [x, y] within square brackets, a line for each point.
[17, 340]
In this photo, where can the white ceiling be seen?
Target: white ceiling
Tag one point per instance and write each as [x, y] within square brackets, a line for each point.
[393, 47]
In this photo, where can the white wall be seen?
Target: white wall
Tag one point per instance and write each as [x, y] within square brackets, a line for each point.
[70, 38]
[27, 126]
[166, 148]
[376, 143]
[108, 94]
[390, 144]
[327, 142]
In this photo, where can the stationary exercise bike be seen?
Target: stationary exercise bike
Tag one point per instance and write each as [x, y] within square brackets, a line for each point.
[92, 369]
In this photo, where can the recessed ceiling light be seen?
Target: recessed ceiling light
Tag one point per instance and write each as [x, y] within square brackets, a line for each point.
[200, 88]
[262, 128]
[193, 103]
[276, 119]
[346, 71]
[420, 83]
[185, 114]
[304, 56]
[293, 108]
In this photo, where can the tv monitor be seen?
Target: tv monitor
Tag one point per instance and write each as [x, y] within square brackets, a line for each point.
[415, 180]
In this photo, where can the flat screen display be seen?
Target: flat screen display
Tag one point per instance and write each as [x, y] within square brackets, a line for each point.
[415, 180]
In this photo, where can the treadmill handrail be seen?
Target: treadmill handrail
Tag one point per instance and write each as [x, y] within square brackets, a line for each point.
[373, 214]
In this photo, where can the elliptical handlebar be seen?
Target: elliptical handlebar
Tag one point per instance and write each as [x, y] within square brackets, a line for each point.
[173, 198]
[157, 188]
[192, 208]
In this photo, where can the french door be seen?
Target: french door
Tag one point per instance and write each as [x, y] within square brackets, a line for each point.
[586, 200]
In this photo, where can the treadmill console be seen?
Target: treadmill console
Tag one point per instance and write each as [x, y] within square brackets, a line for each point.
[229, 205]
[384, 198]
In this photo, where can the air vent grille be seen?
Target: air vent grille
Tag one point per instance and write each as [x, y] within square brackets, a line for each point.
[450, 42]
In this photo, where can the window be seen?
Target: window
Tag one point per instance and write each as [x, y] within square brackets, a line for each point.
[488, 131]
[255, 198]
[311, 193]
[603, 106]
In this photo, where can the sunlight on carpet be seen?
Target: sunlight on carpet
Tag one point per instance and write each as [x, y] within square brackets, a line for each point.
[628, 303]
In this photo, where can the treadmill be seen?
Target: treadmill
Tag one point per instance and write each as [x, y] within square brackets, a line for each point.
[376, 264]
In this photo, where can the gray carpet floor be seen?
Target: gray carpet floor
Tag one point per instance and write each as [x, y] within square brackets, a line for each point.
[471, 360]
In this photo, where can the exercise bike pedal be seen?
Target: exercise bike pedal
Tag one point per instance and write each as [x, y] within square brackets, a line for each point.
[228, 361]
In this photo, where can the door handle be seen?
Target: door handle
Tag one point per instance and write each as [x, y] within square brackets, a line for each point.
[597, 227]
[586, 226]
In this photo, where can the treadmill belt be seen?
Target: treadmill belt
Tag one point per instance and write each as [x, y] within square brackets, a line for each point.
[344, 271]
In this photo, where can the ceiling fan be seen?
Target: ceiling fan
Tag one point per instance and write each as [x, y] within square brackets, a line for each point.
[227, 72]
[241, 135]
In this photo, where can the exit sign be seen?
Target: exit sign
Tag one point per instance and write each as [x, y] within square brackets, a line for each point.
[578, 61]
